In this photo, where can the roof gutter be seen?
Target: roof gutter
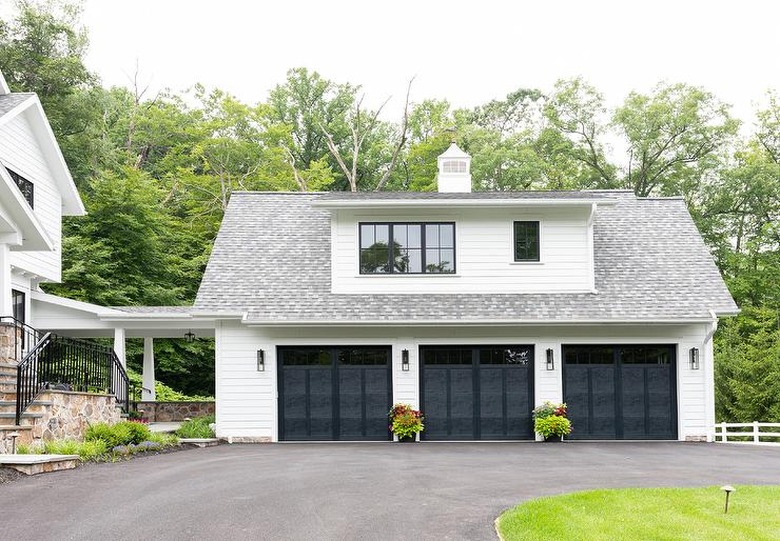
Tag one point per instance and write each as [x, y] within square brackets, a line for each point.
[471, 323]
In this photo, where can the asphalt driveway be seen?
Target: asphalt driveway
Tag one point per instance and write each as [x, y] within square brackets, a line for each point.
[349, 491]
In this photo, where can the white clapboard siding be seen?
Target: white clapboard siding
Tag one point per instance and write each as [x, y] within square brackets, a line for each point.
[20, 152]
[484, 253]
[247, 403]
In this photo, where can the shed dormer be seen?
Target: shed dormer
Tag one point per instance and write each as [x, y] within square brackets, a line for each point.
[454, 170]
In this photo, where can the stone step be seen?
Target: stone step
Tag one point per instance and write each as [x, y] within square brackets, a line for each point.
[8, 365]
[36, 407]
[9, 419]
[35, 464]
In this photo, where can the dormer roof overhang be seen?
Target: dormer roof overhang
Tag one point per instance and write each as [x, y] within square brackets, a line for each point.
[473, 200]
[29, 105]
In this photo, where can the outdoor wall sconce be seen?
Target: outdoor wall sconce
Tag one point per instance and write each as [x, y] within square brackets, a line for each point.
[405, 360]
[260, 360]
[189, 336]
[550, 359]
[694, 358]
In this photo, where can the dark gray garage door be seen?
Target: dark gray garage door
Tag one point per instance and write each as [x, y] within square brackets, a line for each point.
[477, 392]
[334, 393]
[621, 392]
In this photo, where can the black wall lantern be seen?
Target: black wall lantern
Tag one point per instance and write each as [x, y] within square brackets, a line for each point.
[260, 360]
[405, 360]
[550, 359]
[189, 336]
[694, 358]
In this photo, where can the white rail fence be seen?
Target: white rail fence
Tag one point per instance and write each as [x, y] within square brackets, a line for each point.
[747, 432]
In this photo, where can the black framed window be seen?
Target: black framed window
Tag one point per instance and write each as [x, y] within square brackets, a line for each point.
[18, 305]
[407, 248]
[25, 186]
[526, 241]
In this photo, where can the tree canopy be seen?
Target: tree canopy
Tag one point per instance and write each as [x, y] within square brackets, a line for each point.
[156, 173]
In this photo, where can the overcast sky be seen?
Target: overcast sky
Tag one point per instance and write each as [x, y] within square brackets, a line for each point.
[466, 52]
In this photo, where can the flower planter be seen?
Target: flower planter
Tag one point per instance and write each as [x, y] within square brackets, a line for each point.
[553, 439]
[407, 439]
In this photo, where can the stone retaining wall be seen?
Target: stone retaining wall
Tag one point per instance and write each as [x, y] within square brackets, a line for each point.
[71, 413]
[10, 338]
[166, 412]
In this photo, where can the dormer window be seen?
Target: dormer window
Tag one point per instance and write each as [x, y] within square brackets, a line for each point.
[526, 241]
[25, 186]
[455, 166]
[407, 248]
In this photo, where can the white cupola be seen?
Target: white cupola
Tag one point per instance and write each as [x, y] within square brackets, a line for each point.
[454, 170]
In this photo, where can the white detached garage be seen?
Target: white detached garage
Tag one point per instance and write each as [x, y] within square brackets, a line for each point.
[474, 307]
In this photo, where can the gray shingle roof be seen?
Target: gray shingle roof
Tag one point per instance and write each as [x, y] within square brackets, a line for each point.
[271, 260]
[9, 101]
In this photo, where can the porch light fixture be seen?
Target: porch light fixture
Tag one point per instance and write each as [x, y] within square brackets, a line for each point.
[189, 336]
[405, 360]
[550, 359]
[694, 358]
[260, 360]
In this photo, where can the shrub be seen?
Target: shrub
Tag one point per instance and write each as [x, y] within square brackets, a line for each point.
[122, 433]
[86, 450]
[197, 428]
[138, 431]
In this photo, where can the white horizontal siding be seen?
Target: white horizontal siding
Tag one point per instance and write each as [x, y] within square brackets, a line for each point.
[247, 399]
[20, 152]
[484, 253]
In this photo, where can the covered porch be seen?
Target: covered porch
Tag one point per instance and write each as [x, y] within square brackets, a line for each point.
[78, 319]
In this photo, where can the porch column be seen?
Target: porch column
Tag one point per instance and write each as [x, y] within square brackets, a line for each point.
[147, 393]
[5, 281]
[119, 346]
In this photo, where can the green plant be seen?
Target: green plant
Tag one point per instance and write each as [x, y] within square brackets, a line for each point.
[548, 409]
[138, 431]
[197, 428]
[165, 440]
[405, 421]
[122, 433]
[552, 425]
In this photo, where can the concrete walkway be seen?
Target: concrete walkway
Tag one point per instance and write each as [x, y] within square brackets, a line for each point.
[379, 491]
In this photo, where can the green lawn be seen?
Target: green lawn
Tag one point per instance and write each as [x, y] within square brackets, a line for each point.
[672, 514]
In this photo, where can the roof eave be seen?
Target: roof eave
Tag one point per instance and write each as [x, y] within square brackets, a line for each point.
[474, 322]
[450, 203]
[72, 205]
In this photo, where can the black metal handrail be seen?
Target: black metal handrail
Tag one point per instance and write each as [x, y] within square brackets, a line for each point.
[71, 364]
[24, 337]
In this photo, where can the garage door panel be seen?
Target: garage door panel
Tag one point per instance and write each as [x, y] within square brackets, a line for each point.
[470, 392]
[334, 393]
[632, 398]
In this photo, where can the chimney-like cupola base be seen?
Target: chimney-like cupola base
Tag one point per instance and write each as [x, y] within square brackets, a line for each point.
[454, 171]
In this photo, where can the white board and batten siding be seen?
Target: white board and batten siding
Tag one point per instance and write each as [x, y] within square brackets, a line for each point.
[20, 152]
[247, 404]
[484, 256]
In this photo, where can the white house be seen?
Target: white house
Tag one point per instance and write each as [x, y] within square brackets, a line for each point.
[475, 307]
[36, 190]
